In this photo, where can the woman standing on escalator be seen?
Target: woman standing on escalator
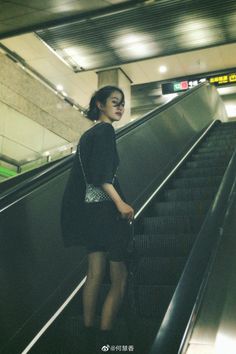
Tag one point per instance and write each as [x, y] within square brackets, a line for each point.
[106, 214]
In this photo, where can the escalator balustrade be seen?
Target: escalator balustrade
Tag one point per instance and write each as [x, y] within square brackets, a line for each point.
[163, 238]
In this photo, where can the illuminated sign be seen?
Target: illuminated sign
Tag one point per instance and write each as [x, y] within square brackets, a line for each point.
[223, 79]
[180, 86]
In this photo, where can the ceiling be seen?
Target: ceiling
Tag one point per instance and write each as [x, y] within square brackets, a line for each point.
[22, 16]
[189, 37]
[147, 30]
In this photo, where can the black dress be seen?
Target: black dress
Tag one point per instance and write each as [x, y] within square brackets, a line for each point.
[89, 216]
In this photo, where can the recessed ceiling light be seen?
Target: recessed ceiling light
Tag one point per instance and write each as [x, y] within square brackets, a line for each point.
[60, 88]
[163, 69]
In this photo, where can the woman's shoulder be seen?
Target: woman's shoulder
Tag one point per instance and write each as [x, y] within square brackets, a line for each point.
[100, 127]
[105, 128]
[101, 130]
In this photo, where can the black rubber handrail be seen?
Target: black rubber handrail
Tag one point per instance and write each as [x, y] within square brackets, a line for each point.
[176, 320]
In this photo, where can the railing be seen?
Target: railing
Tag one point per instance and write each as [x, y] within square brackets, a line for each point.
[177, 321]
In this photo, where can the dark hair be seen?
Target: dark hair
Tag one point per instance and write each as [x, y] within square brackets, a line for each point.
[101, 95]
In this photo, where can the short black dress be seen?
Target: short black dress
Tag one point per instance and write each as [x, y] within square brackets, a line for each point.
[89, 216]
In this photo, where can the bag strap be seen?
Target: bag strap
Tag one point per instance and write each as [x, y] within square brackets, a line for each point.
[81, 165]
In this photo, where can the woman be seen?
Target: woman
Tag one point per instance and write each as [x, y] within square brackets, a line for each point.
[106, 214]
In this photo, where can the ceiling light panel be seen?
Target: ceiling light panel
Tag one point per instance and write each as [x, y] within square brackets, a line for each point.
[231, 25]
[198, 32]
[135, 46]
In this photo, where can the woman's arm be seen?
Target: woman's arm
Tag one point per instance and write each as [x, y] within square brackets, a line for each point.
[125, 209]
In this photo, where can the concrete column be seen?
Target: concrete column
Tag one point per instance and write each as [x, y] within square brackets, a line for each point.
[117, 77]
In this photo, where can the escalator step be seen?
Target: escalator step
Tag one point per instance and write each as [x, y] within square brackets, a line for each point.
[201, 172]
[159, 270]
[229, 138]
[163, 244]
[206, 163]
[152, 301]
[229, 149]
[197, 182]
[68, 334]
[223, 145]
[174, 224]
[213, 155]
[220, 143]
[223, 134]
[184, 208]
[224, 130]
[190, 193]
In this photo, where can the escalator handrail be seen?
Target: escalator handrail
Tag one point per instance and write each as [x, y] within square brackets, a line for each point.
[30, 181]
[175, 323]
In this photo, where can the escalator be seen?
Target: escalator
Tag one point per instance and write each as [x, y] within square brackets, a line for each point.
[38, 274]
[163, 238]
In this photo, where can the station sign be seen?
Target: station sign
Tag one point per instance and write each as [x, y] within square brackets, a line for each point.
[180, 86]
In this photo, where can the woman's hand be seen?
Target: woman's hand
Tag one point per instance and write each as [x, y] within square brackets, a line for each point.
[126, 211]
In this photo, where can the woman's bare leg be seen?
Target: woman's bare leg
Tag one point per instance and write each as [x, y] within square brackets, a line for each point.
[96, 270]
[118, 274]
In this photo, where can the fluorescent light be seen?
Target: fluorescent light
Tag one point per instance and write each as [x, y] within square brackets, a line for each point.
[163, 69]
[71, 51]
[131, 39]
[60, 87]
[135, 46]
[198, 32]
[137, 50]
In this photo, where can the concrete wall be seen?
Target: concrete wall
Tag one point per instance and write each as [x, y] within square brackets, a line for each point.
[22, 139]
[31, 99]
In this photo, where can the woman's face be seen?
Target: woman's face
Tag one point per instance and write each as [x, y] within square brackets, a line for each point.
[113, 110]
